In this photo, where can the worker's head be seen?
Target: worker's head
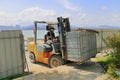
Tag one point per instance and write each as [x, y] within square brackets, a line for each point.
[52, 27]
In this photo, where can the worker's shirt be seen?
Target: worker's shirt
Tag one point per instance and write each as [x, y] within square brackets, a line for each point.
[51, 34]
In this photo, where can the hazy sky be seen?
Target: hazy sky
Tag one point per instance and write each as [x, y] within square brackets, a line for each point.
[80, 12]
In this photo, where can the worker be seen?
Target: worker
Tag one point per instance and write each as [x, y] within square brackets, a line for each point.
[50, 33]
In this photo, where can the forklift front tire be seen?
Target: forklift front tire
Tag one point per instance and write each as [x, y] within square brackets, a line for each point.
[55, 61]
[32, 58]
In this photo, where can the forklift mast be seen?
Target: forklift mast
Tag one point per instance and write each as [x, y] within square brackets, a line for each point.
[63, 27]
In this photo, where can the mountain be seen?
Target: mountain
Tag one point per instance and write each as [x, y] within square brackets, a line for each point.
[101, 27]
[42, 27]
[7, 27]
[18, 27]
[31, 27]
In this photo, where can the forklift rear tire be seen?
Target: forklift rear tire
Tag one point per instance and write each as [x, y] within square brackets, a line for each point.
[32, 58]
[55, 61]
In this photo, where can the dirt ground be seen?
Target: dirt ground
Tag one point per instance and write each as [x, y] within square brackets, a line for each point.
[89, 70]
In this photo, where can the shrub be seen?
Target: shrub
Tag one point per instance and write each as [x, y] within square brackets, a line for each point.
[113, 61]
[114, 43]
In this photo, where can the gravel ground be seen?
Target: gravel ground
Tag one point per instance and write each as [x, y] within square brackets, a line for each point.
[89, 70]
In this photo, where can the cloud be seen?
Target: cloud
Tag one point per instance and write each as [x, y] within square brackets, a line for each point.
[6, 19]
[26, 16]
[68, 5]
[104, 8]
[84, 19]
[96, 20]
[78, 18]
[35, 13]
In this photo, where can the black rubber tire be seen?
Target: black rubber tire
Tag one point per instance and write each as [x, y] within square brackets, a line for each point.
[55, 61]
[32, 58]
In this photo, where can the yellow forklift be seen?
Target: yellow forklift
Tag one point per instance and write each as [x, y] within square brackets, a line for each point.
[53, 50]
